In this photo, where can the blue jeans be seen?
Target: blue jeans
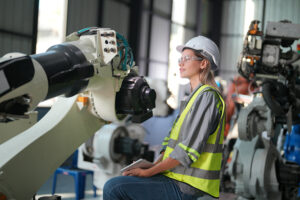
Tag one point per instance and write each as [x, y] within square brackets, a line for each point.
[139, 188]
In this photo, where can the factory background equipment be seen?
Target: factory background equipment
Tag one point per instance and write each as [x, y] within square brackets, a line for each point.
[261, 167]
[95, 73]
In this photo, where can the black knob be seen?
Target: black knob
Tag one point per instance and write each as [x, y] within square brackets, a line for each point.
[148, 97]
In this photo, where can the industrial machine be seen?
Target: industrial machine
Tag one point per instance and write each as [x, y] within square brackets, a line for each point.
[259, 167]
[118, 144]
[95, 76]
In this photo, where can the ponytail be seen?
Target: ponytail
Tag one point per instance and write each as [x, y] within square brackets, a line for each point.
[206, 76]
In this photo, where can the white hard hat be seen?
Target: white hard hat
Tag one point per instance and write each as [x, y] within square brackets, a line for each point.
[207, 47]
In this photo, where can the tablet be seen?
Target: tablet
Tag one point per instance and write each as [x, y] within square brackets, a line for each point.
[141, 163]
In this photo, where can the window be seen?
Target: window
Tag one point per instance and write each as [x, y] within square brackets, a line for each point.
[51, 24]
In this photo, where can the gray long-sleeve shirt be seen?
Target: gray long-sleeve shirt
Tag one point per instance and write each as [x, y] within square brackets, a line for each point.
[201, 121]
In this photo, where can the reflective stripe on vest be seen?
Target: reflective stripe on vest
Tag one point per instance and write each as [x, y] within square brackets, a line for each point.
[165, 142]
[211, 148]
[204, 171]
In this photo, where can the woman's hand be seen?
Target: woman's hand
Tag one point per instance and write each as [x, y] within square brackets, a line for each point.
[137, 172]
[167, 164]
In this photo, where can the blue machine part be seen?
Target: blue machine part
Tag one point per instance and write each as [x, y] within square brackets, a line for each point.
[292, 147]
[218, 84]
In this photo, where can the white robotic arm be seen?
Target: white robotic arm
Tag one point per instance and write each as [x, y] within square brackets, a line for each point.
[92, 60]
[95, 69]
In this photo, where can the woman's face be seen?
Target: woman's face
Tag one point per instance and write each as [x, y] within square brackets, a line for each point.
[190, 65]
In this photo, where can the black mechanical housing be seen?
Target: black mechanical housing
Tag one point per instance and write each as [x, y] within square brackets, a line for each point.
[135, 97]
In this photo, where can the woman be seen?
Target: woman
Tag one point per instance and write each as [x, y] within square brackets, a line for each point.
[190, 161]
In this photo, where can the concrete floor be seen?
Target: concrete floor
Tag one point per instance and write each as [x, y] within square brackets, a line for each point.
[65, 188]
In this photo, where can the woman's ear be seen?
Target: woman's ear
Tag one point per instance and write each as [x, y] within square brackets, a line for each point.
[203, 64]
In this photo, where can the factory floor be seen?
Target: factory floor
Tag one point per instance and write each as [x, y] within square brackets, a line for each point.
[66, 189]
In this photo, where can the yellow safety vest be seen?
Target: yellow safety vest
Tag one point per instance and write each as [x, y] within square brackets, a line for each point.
[204, 173]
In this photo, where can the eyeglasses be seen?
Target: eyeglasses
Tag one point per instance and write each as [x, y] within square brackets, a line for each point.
[187, 58]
